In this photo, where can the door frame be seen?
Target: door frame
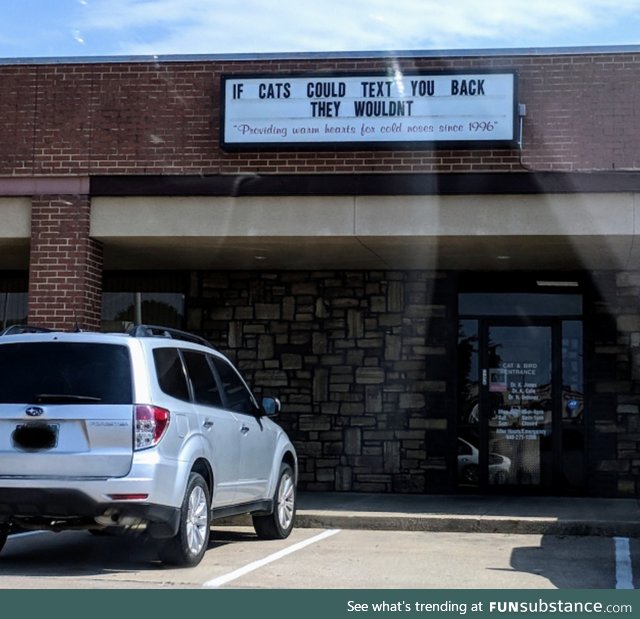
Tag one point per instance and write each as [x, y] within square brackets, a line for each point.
[567, 475]
[549, 471]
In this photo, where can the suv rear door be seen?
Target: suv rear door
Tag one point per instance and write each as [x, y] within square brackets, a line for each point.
[65, 408]
[257, 435]
[219, 427]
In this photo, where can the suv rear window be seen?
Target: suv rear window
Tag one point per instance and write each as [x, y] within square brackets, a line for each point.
[170, 372]
[65, 372]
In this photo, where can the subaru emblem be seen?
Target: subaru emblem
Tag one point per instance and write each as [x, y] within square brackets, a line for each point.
[34, 411]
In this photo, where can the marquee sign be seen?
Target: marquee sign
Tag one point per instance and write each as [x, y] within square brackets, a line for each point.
[369, 111]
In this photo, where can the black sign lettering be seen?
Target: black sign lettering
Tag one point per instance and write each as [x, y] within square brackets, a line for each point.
[237, 90]
[467, 87]
[325, 109]
[376, 89]
[276, 90]
[382, 108]
[326, 90]
[423, 88]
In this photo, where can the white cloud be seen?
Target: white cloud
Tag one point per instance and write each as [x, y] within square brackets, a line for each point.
[222, 26]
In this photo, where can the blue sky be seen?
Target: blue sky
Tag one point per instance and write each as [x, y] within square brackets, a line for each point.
[55, 28]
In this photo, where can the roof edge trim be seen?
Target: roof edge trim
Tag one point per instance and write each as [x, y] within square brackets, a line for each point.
[327, 55]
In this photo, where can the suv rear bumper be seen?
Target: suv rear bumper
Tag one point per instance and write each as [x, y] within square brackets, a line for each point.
[58, 509]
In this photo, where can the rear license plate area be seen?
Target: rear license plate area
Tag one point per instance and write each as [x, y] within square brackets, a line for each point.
[35, 436]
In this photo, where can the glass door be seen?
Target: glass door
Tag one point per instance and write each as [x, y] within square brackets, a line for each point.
[520, 393]
[517, 399]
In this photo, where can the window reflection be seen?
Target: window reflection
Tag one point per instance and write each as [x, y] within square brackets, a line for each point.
[468, 371]
[13, 309]
[572, 387]
[519, 400]
[573, 405]
[468, 402]
[122, 309]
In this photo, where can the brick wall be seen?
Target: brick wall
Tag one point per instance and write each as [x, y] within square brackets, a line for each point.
[361, 361]
[65, 277]
[162, 118]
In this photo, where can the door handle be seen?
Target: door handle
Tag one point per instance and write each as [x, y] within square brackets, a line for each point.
[244, 429]
[208, 423]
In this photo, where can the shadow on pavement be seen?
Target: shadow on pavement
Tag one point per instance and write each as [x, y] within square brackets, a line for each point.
[79, 553]
[568, 562]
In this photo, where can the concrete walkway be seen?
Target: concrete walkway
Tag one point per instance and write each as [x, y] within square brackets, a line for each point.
[461, 513]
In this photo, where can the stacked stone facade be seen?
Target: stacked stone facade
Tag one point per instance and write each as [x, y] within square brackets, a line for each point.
[361, 361]
[364, 364]
[614, 448]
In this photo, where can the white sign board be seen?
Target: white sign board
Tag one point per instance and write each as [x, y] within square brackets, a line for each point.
[455, 110]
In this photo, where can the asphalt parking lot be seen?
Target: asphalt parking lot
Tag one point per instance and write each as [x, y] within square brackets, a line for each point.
[323, 559]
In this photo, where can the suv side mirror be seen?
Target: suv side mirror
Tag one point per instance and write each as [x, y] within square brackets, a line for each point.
[270, 406]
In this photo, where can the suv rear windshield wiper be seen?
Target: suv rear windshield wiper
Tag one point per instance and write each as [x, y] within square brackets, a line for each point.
[64, 398]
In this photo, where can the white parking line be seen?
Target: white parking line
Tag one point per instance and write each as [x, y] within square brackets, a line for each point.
[223, 580]
[624, 570]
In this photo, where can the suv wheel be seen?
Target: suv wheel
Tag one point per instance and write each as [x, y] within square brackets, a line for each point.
[279, 524]
[189, 544]
[4, 533]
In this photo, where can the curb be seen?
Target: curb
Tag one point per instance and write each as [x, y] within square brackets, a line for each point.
[466, 524]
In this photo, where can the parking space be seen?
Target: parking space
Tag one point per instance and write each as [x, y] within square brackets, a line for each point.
[375, 559]
[322, 559]
[81, 560]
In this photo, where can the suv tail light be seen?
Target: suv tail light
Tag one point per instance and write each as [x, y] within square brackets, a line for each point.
[150, 424]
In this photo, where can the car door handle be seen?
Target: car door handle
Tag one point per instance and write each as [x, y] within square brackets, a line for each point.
[244, 429]
[208, 423]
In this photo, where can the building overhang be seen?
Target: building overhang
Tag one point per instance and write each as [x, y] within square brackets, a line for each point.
[492, 221]
[492, 231]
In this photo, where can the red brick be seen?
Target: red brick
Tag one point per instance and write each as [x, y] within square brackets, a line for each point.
[98, 118]
[65, 264]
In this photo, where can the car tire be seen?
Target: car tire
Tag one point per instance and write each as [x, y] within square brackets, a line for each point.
[188, 546]
[471, 474]
[4, 533]
[279, 524]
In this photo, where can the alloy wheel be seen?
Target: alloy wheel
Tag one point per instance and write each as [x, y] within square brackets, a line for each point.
[197, 521]
[286, 501]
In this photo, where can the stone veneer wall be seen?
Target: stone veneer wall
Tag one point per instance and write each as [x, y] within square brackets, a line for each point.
[361, 361]
[614, 447]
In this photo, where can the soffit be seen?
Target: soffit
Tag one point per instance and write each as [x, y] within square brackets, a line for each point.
[557, 231]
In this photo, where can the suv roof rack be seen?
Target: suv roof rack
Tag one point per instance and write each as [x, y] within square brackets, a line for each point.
[175, 334]
[17, 329]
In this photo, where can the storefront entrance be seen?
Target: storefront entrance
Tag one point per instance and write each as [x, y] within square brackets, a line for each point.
[521, 397]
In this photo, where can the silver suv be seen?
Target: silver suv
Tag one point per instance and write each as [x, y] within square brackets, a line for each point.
[151, 430]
